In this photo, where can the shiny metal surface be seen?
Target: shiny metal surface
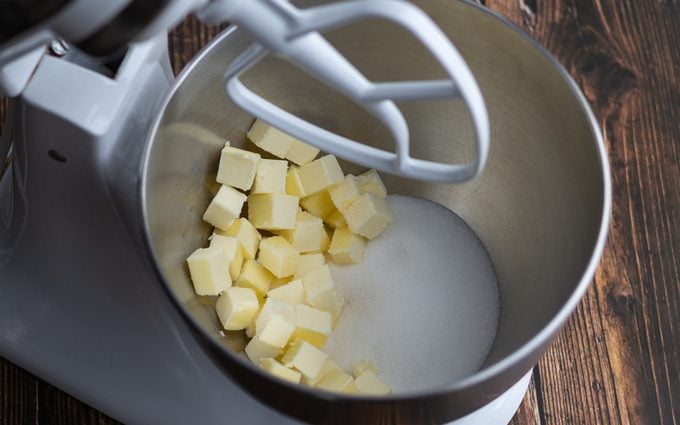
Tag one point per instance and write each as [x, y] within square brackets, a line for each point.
[541, 207]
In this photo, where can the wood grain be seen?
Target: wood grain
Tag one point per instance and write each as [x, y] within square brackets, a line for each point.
[618, 359]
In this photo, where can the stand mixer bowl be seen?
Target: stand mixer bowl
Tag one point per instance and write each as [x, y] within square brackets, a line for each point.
[541, 206]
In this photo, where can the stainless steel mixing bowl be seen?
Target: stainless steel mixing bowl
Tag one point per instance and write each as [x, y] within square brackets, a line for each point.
[541, 207]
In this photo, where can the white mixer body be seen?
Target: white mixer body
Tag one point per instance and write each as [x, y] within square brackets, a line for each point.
[80, 306]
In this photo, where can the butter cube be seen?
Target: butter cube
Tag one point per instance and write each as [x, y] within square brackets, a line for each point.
[309, 262]
[336, 219]
[304, 357]
[291, 293]
[363, 365]
[345, 192]
[280, 371]
[301, 153]
[256, 350]
[277, 331]
[233, 249]
[336, 306]
[274, 307]
[327, 367]
[294, 184]
[278, 256]
[370, 182]
[270, 176]
[209, 270]
[346, 247]
[270, 139]
[236, 308]
[368, 383]
[237, 167]
[368, 216]
[320, 174]
[272, 211]
[312, 325]
[250, 329]
[319, 204]
[224, 207]
[247, 235]
[255, 277]
[320, 291]
[325, 241]
[277, 283]
[307, 236]
[338, 381]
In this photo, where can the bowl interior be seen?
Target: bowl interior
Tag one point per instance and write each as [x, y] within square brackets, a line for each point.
[537, 207]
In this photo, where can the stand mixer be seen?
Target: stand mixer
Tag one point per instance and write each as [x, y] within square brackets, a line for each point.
[82, 305]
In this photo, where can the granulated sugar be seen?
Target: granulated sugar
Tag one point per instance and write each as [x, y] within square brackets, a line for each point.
[423, 304]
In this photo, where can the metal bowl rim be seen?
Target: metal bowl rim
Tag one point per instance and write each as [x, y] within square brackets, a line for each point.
[484, 375]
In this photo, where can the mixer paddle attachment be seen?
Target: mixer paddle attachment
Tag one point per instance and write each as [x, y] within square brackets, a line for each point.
[280, 28]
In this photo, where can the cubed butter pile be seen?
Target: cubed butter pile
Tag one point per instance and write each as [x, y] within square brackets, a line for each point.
[268, 267]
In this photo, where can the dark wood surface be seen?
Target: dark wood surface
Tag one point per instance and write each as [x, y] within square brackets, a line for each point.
[618, 359]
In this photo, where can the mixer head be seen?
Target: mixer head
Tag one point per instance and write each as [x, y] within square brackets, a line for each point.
[277, 27]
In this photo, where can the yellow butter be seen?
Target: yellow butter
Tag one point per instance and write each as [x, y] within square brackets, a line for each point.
[319, 204]
[336, 219]
[232, 247]
[270, 139]
[278, 256]
[209, 270]
[320, 174]
[280, 371]
[327, 367]
[294, 184]
[368, 216]
[247, 235]
[301, 153]
[371, 182]
[272, 211]
[237, 167]
[312, 325]
[325, 242]
[274, 307]
[250, 329]
[224, 208]
[337, 304]
[346, 247]
[309, 262]
[276, 283]
[320, 291]
[255, 277]
[270, 176]
[291, 293]
[368, 383]
[363, 365]
[236, 308]
[305, 358]
[338, 381]
[256, 350]
[345, 192]
[307, 236]
[277, 331]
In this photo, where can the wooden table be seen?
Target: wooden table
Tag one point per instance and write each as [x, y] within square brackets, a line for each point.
[618, 359]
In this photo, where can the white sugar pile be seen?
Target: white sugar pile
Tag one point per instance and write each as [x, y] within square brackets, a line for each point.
[423, 304]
